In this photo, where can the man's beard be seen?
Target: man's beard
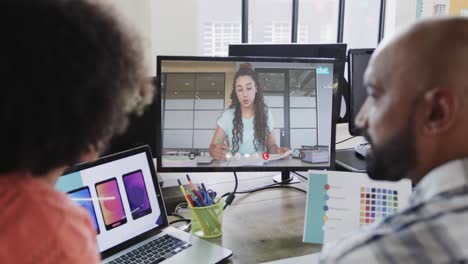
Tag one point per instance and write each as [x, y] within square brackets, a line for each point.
[395, 158]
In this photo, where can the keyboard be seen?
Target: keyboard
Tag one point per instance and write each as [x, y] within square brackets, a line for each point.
[155, 251]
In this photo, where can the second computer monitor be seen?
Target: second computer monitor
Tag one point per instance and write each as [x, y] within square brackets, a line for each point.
[221, 113]
[357, 64]
[336, 50]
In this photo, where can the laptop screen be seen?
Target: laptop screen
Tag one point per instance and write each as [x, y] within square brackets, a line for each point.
[119, 194]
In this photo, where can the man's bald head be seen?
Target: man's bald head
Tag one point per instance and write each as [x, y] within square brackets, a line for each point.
[418, 88]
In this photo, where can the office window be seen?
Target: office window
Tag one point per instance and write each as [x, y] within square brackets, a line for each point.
[318, 21]
[291, 97]
[273, 82]
[361, 23]
[398, 14]
[201, 27]
[303, 108]
[270, 21]
[218, 25]
[278, 32]
[218, 35]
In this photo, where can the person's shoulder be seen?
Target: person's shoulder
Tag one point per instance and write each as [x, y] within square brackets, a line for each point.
[413, 226]
[228, 112]
[227, 115]
[44, 224]
[336, 251]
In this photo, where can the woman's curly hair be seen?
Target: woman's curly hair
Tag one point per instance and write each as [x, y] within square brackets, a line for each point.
[71, 74]
[260, 111]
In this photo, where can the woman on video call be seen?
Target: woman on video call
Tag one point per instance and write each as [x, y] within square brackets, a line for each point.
[246, 127]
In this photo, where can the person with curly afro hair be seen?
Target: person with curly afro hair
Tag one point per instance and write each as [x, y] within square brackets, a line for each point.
[71, 73]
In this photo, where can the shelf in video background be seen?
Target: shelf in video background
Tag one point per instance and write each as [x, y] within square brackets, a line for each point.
[341, 202]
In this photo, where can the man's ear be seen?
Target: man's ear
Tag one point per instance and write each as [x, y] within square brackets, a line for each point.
[441, 107]
[90, 154]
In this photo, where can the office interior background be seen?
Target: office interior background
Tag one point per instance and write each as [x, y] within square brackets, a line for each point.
[207, 27]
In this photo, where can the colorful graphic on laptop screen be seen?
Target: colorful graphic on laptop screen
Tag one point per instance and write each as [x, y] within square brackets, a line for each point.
[136, 193]
[119, 195]
[83, 197]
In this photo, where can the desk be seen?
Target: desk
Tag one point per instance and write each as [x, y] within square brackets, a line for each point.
[280, 163]
[262, 226]
[342, 133]
[266, 225]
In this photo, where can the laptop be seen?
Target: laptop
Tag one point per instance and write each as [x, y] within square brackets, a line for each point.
[124, 200]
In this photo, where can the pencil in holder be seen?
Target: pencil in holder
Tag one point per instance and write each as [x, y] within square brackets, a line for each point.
[207, 221]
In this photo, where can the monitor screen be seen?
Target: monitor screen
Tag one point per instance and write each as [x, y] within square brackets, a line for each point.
[358, 60]
[239, 112]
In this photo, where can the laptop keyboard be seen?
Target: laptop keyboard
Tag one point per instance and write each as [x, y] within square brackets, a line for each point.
[155, 251]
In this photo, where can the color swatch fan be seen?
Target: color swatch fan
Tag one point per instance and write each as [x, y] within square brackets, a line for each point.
[341, 202]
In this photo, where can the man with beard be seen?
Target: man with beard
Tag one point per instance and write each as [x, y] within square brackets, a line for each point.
[415, 117]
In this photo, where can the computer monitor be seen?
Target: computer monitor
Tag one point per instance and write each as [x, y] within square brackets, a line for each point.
[357, 64]
[195, 104]
[335, 50]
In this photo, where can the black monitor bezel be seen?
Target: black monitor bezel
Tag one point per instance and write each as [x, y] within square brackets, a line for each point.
[353, 130]
[158, 108]
[300, 50]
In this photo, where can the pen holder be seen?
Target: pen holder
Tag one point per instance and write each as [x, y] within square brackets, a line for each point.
[207, 221]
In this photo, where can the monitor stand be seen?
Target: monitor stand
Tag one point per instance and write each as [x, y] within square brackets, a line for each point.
[285, 177]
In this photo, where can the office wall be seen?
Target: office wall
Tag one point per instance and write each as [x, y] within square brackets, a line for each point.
[187, 123]
[137, 14]
[172, 28]
[399, 13]
[225, 67]
[459, 7]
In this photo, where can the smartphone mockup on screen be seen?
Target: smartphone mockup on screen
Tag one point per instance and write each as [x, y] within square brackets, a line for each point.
[111, 204]
[136, 193]
[82, 196]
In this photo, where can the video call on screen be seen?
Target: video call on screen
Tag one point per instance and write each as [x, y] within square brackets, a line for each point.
[196, 100]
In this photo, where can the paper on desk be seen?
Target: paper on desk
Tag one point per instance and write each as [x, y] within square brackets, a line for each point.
[280, 156]
[204, 159]
[244, 161]
[342, 202]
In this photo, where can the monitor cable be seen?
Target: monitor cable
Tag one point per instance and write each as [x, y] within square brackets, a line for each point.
[231, 195]
[180, 220]
[269, 186]
[273, 186]
[300, 175]
[344, 140]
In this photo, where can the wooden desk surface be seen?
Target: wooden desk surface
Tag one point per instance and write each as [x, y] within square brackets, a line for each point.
[266, 225]
[261, 226]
